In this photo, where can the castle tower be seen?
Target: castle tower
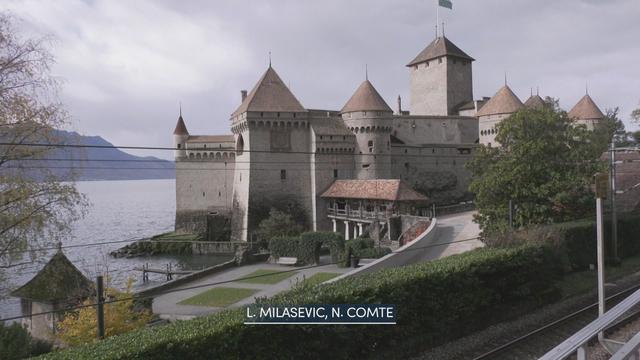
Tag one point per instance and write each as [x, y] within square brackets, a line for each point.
[586, 112]
[441, 79]
[534, 102]
[271, 132]
[370, 119]
[180, 136]
[499, 107]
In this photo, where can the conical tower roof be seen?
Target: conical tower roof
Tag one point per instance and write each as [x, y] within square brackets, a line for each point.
[270, 95]
[59, 280]
[439, 47]
[586, 109]
[366, 98]
[534, 102]
[181, 128]
[503, 102]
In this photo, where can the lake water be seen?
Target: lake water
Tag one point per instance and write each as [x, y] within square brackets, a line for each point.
[119, 210]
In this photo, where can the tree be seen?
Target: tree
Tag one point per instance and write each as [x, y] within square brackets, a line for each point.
[544, 166]
[120, 316]
[16, 343]
[35, 205]
[278, 224]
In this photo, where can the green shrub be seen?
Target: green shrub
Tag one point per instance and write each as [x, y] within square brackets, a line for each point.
[285, 246]
[16, 343]
[437, 301]
[309, 247]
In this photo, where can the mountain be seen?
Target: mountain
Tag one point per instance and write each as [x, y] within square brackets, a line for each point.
[97, 163]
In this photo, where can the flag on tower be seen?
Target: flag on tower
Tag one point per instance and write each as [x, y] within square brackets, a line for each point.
[446, 3]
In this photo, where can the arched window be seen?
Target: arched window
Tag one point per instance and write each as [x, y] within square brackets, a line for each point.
[239, 145]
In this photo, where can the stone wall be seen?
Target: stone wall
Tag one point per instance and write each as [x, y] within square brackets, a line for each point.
[417, 130]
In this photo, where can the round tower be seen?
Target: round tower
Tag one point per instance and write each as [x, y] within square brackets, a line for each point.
[180, 136]
[369, 117]
[499, 107]
[586, 113]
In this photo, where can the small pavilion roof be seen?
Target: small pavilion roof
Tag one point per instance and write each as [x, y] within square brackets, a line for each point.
[58, 280]
[534, 102]
[391, 190]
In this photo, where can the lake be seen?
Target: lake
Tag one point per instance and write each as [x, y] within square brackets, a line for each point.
[119, 210]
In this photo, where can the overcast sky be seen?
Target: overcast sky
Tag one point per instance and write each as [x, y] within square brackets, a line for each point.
[127, 64]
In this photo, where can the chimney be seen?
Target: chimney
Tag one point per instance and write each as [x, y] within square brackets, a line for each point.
[399, 105]
[243, 93]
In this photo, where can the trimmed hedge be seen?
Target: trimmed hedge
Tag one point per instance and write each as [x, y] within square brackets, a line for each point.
[579, 240]
[306, 247]
[286, 246]
[437, 301]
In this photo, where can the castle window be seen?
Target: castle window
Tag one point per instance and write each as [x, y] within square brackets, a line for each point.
[283, 174]
[405, 151]
[294, 114]
[179, 146]
[365, 166]
[370, 143]
[203, 194]
[330, 137]
[261, 114]
[219, 194]
[426, 64]
[364, 113]
[278, 114]
[205, 146]
[320, 137]
[335, 173]
[406, 166]
[440, 61]
[344, 138]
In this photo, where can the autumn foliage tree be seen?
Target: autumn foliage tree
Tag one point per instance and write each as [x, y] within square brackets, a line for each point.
[120, 316]
[35, 205]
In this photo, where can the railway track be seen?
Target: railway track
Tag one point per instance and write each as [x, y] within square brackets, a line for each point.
[537, 342]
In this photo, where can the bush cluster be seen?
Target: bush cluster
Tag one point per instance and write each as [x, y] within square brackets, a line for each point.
[436, 301]
[16, 343]
[575, 242]
[306, 247]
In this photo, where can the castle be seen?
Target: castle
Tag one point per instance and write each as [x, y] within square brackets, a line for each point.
[283, 154]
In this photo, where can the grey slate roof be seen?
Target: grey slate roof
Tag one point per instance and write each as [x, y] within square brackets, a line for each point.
[586, 109]
[534, 102]
[439, 47]
[503, 102]
[366, 98]
[270, 94]
[58, 280]
[330, 126]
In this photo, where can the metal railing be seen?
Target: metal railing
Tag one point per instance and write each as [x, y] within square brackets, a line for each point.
[577, 343]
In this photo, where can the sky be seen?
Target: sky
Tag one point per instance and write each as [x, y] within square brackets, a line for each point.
[127, 65]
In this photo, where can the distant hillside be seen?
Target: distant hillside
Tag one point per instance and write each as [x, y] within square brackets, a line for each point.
[98, 163]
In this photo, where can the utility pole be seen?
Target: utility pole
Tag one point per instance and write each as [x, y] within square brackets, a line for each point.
[614, 215]
[601, 193]
[100, 307]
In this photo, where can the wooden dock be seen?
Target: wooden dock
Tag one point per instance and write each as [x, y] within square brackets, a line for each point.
[169, 272]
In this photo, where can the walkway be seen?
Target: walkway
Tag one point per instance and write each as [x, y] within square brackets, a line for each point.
[167, 306]
[449, 229]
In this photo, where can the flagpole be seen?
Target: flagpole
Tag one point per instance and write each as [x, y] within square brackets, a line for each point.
[437, 17]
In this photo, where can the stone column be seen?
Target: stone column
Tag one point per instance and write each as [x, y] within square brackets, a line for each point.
[335, 225]
[359, 229]
[346, 230]
[355, 231]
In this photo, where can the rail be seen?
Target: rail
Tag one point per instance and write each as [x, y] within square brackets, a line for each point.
[577, 343]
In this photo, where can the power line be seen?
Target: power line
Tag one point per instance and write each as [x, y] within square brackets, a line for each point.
[216, 283]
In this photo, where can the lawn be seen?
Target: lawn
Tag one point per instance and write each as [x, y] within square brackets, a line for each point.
[268, 277]
[219, 297]
[319, 278]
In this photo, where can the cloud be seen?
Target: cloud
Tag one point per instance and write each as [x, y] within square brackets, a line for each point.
[127, 64]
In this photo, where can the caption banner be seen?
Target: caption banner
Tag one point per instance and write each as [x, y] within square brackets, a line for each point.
[347, 314]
